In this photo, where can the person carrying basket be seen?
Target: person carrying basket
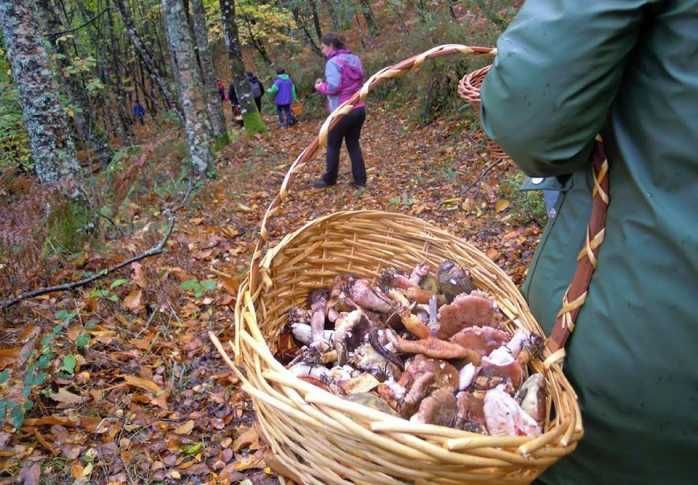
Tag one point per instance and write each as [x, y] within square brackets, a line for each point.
[566, 71]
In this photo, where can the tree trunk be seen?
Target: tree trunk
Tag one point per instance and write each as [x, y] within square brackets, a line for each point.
[52, 147]
[334, 17]
[191, 91]
[316, 19]
[208, 74]
[257, 43]
[301, 23]
[250, 115]
[147, 58]
[74, 88]
[369, 17]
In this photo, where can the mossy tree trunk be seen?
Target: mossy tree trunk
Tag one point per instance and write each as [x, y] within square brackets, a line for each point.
[146, 57]
[191, 91]
[250, 115]
[208, 73]
[73, 86]
[52, 147]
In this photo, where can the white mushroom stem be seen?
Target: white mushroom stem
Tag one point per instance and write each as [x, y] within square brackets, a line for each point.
[466, 376]
[303, 333]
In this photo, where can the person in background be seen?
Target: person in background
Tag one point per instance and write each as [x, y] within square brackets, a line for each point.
[344, 76]
[566, 71]
[221, 89]
[284, 92]
[257, 89]
[139, 112]
[233, 97]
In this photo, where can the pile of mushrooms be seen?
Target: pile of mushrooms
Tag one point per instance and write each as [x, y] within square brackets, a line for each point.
[430, 348]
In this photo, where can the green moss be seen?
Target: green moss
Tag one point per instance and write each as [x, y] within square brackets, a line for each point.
[253, 123]
[68, 224]
[220, 142]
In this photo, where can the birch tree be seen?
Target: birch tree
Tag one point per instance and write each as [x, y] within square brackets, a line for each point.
[52, 147]
[208, 73]
[250, 115]
[191, 90]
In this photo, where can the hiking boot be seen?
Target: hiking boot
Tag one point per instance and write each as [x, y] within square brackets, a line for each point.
[321, 184]
[358, 186]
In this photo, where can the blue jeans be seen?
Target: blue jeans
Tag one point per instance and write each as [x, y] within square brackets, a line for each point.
[285, 116]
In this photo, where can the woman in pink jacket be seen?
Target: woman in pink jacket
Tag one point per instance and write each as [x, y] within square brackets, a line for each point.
[344, 75]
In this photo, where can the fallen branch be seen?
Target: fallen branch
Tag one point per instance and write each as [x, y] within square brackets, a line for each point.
[487, 170]
[155, 250]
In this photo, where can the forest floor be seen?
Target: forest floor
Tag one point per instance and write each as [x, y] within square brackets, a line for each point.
[134, 392]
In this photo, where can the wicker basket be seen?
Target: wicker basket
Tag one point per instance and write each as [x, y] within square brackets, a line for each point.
[469, 90]
[321, 438]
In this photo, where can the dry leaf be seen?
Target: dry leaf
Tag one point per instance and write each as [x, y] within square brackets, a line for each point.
[247, 437]
[362, 383]
[255, 461]
[230, 284]
[244, 207]
[138, 276]
[146, 384]
[186, 428]
[134, 300]
[501, 205]
[66, 397]
[492, 253]
[196, 220]
[30, 474]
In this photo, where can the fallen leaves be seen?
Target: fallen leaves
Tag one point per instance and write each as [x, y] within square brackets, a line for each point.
[185, 428]
[142, 383]
[67, 398]
[134, 300]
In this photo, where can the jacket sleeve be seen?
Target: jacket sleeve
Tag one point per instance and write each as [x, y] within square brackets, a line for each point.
[273, 89]
[333, 79]
[557, 71]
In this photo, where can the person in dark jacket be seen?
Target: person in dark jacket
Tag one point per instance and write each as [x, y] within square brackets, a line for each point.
[344, 76]
[565, 71]
[235, 105]
[257, 89]
[139, 112]
[284, 92]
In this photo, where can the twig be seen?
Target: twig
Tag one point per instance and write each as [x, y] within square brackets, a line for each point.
[58, 34]
[487, 170]
[155, 250]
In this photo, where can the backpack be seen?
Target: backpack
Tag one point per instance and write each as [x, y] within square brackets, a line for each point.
[256, 88]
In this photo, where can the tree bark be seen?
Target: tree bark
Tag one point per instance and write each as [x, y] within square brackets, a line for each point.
[52, 147]
[192, 96]
[147, 58]
[316, 19]
[369, 17]
[250, 115]
[301, 23]
[83, 118]
[208, 74]
[332, 11]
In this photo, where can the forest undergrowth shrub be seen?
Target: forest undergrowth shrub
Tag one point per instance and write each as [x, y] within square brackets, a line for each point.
[526, 206]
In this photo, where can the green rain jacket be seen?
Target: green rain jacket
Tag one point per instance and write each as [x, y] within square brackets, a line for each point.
[628, 69]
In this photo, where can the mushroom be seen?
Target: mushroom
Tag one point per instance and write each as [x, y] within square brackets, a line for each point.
[433, 347]
[303, 333]
[363, 295]
[339, 300]
[531, 397]
[421, 385]
[483, 340]
[318, 307]
[392, 278]
[440, 409]
[419, 273]
[504, 416]
[466, 311]
[470, 415]
[453, 280]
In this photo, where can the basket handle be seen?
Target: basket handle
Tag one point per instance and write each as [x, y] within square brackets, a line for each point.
[258, 270]
[587, 259]
[576, 293]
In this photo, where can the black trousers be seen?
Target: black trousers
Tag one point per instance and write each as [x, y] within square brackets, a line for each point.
[258, 102]
[349, 130]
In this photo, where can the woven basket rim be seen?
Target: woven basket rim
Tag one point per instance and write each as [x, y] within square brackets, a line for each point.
[256, 354]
